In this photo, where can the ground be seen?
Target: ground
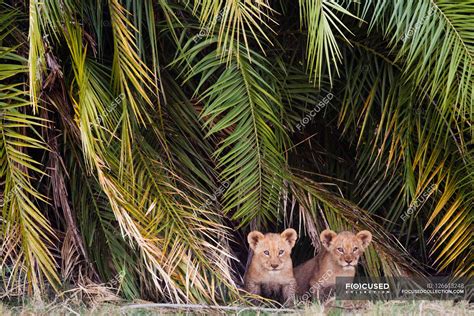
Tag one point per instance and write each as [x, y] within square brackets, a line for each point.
[440, 308]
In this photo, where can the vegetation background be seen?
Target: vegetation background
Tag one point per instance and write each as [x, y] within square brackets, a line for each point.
[140, 141]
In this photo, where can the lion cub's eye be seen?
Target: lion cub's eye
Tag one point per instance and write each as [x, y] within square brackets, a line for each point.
[266, 253]
[355, 249]
[340, 250]
[281, 252]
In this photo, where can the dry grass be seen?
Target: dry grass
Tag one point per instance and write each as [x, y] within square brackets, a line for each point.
[418, 308]
[434, 308]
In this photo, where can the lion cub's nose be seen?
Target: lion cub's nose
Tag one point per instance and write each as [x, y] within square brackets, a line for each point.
[348, 260]
[274, 266]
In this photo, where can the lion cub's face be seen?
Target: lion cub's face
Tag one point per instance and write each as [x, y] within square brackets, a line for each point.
[345, 247]
[272, 251]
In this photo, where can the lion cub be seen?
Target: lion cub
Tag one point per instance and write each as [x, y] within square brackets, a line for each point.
[338, 258]
[270, 272]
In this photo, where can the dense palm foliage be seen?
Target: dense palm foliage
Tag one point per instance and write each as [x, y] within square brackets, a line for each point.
[142, 140]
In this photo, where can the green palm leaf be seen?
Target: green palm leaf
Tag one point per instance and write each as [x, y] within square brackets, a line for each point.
[240, 110]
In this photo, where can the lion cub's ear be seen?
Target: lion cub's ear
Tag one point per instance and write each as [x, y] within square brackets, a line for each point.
[253, 238]
[365, 236]
[290, 236]
[326, 237]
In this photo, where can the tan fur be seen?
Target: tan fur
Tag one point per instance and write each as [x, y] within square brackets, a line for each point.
[338, 258]
[270, 272]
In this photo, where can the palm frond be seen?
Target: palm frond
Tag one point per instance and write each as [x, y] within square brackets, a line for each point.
[322, 23]
[239, 23]
[386, 117]
[27, 242]
[27, 238]
[432, 44]
[240, 108]
[36, 62]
